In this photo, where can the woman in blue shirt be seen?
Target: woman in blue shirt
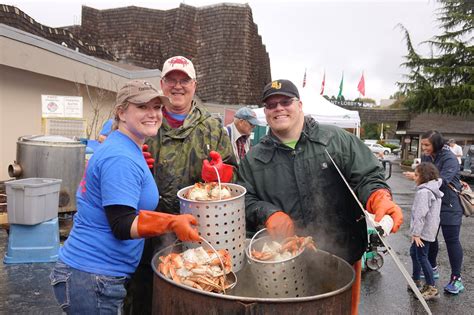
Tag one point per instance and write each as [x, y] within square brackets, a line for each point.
[115, 200]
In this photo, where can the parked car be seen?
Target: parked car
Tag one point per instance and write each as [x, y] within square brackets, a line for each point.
[467, 159]
[393, 142]
[370, 141]
[377, 148]
[415, 163]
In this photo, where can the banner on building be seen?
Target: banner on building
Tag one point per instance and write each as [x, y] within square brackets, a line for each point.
[61, 106]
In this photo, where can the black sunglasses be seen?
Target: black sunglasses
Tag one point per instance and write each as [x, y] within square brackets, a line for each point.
[285, 103]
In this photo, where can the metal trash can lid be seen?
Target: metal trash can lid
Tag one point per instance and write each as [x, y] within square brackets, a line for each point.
[49, 139]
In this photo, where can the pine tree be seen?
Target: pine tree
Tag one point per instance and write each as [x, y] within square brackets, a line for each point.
[444, 81]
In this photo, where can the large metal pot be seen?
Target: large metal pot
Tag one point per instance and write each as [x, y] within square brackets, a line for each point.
[51, 157]
[328, 292]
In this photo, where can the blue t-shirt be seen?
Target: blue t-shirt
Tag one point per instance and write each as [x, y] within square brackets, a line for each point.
[107, 127]
[117, 174]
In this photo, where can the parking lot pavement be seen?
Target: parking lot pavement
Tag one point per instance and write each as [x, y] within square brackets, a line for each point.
[385, 290]
[25, 288]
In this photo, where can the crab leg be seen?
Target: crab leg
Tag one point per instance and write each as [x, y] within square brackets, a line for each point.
[192, 284]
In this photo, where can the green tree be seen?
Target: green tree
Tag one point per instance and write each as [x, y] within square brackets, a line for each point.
[444, 81]
[370, 131]
[365, 100]
[399, 98]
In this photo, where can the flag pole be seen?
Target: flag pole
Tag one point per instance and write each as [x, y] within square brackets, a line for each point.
[323, 83]
[304, 78]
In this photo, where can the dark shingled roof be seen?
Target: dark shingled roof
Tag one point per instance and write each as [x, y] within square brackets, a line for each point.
[222, 41]
[446, 124]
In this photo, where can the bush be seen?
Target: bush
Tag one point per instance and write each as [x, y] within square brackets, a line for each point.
[388, 145]
[407, 162]
[391, 146]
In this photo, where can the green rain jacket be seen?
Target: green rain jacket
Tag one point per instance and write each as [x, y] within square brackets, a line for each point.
[179, 153]
[303, 183]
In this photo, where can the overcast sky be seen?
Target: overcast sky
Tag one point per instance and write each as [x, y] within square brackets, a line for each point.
[322, 36]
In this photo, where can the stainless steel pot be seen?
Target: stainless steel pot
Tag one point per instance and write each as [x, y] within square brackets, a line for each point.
[51, 157]
[329, 286]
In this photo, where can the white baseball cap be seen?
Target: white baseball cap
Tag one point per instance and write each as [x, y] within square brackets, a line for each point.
[179, 63]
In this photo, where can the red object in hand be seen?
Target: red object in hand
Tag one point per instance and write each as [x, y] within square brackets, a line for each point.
[280, 224]
[208, 172]
[147, 155]
[380, 203]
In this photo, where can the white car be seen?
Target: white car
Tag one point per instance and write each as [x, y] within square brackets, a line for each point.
[415, 163]
[377, 148]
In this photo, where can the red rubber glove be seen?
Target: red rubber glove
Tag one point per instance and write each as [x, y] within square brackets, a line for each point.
[380, 203]
[208, 173]
[147, 155]
[280, 224]
[152, 223]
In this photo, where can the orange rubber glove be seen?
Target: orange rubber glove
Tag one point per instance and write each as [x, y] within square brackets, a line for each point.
[208, 173]
[280, 224]
[147, 155]
[380, 203]
[152, 223]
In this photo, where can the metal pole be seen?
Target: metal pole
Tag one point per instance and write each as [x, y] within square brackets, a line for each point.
[392, 253]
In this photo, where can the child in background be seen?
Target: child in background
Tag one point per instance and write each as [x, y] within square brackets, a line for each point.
[424, 225]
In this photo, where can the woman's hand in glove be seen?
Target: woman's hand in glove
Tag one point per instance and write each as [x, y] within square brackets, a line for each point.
[152, 223]
[181, 225]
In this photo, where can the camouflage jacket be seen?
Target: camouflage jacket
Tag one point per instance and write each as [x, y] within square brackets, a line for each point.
[179, 153]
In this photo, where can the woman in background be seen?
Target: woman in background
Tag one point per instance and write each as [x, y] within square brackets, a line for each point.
[437, 152]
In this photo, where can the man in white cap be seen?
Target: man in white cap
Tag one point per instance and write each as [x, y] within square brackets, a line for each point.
[240, 130]
[187, 137]
[457, 151]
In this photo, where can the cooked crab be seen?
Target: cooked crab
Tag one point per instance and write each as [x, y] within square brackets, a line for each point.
[198, 268]
[288, 248]
[208, 191]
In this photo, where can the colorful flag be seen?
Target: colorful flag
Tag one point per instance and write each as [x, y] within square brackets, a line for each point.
[341, 85]
[323, 83]
[361, 85]
[304, 78]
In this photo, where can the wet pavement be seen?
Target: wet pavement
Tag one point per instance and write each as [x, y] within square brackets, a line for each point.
[25, 288]
[385, 290]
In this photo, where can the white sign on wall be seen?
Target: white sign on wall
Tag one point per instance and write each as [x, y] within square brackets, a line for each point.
[61, 106]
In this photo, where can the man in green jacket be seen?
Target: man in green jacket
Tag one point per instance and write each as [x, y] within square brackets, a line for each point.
[292, 185]
[186, 138]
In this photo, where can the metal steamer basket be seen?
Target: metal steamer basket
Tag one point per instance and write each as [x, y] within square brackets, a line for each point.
[282, 279]
[179, 247]
[221, 222]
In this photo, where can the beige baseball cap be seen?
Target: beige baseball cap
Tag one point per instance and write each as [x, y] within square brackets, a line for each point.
[140, 92]
[179, 63]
